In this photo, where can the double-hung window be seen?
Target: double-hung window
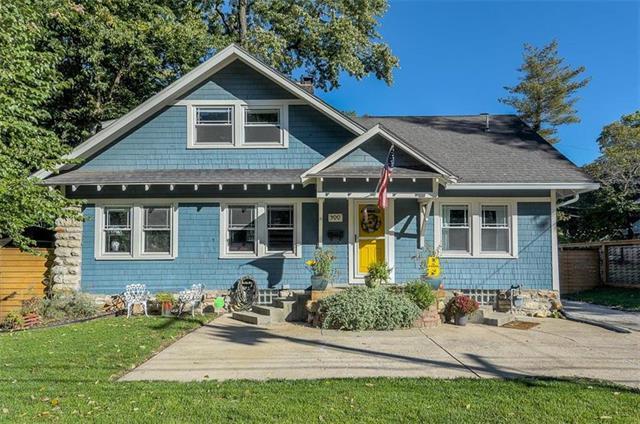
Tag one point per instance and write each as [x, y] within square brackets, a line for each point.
[495, 233]
[262, 126]
[456, 230]
[263, 229]
[117, 231]
[242, 229]
[213, 126]
[136, 231]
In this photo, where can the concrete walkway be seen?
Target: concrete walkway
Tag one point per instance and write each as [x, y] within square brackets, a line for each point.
[603, 314]
[227, 349]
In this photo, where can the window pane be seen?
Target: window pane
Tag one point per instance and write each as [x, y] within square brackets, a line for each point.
[280, 216]
[494, 216]
[270, 134]
[456, 239]
[495, 240]
[156, 217]
[242, 216]
[455, 216]
[220, 134]
[241, 240]
[117, 218]
[280, 240]
[213, 115]
[263, 116]
[157, 241]
[117, 241]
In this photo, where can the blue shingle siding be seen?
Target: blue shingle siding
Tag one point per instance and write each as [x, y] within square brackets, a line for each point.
[339, 246]
[532, 269]
[161, 143]
[198, 257]
[374, 152]
[360, 185]
[238, 81]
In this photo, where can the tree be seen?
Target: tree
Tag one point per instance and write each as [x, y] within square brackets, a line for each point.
[610, 212]
[321, 37]
[28, 79]
[119, 53]
[544, 96]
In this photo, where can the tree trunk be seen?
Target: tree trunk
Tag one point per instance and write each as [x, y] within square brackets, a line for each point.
[242, 22]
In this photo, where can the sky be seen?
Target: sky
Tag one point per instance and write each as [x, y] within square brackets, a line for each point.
[457, 56]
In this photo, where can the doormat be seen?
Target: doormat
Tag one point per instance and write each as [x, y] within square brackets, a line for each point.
[521, 325]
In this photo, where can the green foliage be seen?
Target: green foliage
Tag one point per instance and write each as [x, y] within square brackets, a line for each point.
[28, 79]
[617, 297]
[165, 297]
[377, 274]
[420, 293]
[611, 211]
[544, 96]
[68, 305]
[363, 308]
[12, 321]
[117, 54]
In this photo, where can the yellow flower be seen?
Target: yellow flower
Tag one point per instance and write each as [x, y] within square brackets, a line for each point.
[311, 262]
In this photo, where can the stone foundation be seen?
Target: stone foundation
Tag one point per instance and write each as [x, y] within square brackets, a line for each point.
[429, 318]
[535, 303]
[65, 273]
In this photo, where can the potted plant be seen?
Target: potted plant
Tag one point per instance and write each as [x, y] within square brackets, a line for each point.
[377, 274]
[166, 301]
[321, 266]
[460, 307]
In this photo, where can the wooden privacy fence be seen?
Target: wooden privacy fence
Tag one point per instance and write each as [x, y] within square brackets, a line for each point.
[584, 266]
[22, 276]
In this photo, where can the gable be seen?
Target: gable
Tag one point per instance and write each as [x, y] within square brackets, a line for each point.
[374, 152]
[238, 81]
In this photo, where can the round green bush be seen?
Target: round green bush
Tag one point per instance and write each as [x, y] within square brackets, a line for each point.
[363, 308]
[420, 293]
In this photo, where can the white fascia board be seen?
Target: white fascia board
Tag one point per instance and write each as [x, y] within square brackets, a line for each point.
[523, 186]
[361, 139]
[189, 81]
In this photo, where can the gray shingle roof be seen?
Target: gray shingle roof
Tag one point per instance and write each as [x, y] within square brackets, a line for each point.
[510, 152]
[179, 176]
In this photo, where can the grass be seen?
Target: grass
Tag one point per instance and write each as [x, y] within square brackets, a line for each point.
[68, 374]
[622, 298]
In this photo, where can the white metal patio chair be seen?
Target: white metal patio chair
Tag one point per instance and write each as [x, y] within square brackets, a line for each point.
[136, 294]
[193, 296]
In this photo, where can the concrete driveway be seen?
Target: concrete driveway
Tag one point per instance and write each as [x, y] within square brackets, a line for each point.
[602, 314]
[226, 349]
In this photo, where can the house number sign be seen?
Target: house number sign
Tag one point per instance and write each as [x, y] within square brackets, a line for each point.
[335, 217]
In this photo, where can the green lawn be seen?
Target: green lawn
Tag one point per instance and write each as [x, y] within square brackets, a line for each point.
[610, 296]
[67, 374]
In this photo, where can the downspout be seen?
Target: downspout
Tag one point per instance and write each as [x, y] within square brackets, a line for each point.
[574, 199]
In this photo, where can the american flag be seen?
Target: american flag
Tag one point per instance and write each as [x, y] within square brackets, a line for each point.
[383, 185]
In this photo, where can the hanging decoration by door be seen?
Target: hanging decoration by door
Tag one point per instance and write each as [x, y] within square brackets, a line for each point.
[370, 220]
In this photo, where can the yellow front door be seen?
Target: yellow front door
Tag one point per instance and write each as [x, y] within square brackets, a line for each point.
[371, 231]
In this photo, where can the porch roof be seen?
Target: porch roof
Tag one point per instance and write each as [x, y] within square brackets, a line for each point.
[178, 176]
[372, 172]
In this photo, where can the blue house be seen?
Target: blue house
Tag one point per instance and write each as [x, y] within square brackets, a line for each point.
[235, 169]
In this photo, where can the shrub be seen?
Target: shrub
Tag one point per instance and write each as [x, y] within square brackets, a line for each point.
[68, 305]
[164, 297]
[363, 308]
[12, 321]
[377, 274]
[420, 293]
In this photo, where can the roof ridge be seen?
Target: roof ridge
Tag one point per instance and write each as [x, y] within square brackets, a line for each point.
[437, 116]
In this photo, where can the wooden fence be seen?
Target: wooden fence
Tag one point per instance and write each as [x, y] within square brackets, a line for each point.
[22, 276]
[584, 266]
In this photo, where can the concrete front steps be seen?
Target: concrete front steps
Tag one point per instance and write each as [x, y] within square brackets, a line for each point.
[487, 316]
[281, 310]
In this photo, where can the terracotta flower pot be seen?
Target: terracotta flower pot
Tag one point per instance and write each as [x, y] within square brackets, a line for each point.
[166, 309]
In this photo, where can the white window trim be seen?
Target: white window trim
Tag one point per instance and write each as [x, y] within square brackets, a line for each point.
[260, 229]
[238, 121]
[470, 214]
[475, 211]
[137, 220]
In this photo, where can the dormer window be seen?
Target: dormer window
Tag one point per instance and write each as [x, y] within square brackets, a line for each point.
[262, 126]
[237, 124]
[214, 126]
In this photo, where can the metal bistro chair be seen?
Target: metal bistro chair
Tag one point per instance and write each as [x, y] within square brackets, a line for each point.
[193, 296]
[136, 294]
